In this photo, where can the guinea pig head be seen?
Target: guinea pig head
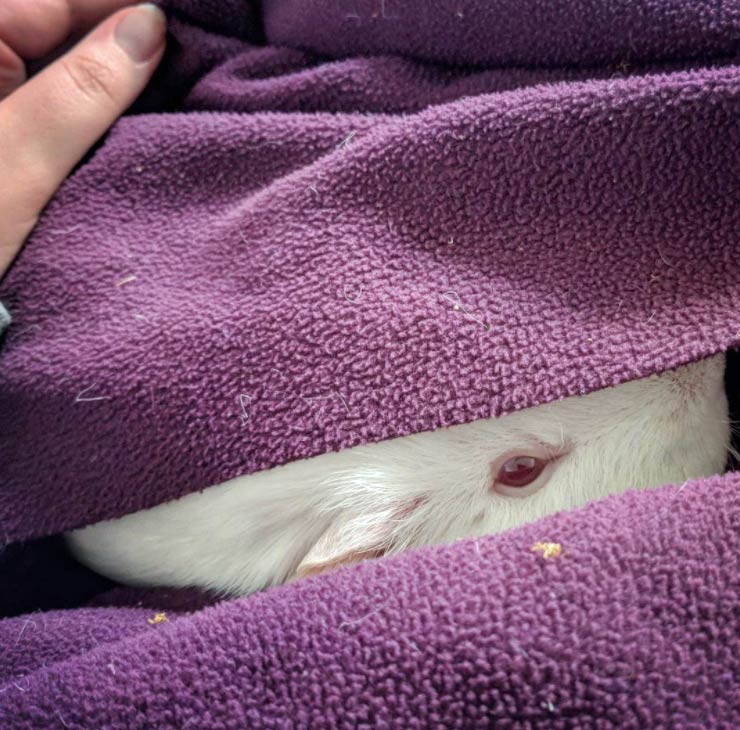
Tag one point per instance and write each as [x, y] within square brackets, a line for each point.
[492, 475]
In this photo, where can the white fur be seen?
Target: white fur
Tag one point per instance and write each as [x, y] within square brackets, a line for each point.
[254, 531]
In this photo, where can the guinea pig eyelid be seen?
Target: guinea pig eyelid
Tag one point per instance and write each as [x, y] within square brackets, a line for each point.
[538, 450]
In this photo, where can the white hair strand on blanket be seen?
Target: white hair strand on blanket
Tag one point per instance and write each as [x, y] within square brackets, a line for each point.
[358, 620]
[334, 394]
[65, 231]
[29, 620]
[80, 399]
[344, 402]
[356, 298]
[679, 490]
[345, 142]
[457, 305]
[20, 688]
[244, 400]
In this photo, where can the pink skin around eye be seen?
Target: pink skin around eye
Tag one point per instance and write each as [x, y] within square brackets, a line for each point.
[519, 471]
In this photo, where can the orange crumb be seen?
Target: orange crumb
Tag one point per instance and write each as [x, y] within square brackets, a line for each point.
[159, 618]
[548, 549]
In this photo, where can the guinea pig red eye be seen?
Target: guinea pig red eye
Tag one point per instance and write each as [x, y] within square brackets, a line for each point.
[520, 471]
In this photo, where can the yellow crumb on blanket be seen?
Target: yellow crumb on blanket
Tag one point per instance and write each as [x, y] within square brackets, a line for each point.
[159, 618]
[548, 549]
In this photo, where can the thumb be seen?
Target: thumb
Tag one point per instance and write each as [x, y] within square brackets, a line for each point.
[48, 124]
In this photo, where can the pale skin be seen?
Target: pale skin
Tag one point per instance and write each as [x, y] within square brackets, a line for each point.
[48, 122]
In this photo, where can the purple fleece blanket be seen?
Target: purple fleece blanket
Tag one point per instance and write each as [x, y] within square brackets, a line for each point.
[334, 222]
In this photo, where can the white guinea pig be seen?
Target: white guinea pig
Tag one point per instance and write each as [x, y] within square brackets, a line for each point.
[465, 481]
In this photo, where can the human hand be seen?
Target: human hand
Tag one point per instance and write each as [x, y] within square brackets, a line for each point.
[47, 123]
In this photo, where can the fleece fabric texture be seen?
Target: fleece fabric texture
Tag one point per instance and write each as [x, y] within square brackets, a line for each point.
[634, 625]
[310, 254]
[331, 223]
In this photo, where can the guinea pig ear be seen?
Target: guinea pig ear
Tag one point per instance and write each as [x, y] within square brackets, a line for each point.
[348, 540]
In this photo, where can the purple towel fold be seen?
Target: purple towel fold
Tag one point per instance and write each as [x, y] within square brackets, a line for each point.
[634, 625]
[321, 235]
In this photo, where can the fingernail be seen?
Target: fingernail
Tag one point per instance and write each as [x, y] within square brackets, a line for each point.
[141, 32]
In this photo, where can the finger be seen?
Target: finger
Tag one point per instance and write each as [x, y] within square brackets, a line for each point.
[32, 28]
[12, 71]
[49, 123]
